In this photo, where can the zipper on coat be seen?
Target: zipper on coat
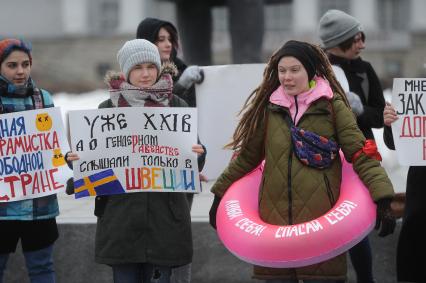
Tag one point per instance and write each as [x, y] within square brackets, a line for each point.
[297, 109]
[289, 192]
[329, 192]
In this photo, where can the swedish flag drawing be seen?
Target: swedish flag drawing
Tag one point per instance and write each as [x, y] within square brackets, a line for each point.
[101, 183]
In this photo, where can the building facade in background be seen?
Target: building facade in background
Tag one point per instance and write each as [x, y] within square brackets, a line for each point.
[75, 41]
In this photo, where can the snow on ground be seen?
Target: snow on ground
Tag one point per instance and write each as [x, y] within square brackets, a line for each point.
[89, 100]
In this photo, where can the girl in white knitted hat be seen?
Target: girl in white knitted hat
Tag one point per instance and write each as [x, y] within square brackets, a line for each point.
[143, 235]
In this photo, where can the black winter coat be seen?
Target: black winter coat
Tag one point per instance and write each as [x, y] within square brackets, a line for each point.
[364, 82]
[411, 251]
[144, 227]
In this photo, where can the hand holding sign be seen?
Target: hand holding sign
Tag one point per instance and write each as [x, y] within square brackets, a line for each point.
[389, 114]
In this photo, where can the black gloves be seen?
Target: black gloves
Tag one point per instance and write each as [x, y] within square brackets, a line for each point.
[213, 211]
[385, 219]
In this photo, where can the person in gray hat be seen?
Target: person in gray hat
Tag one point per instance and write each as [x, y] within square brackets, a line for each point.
[343, 39]
[143, 236]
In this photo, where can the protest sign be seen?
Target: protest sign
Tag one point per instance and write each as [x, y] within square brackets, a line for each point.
[409, 131]
[32, 148]
[134, 149]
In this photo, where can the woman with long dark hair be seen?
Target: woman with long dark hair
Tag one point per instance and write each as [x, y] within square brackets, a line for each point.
[165, 36]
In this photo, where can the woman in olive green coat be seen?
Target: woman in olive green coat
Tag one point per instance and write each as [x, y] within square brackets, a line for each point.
[299, 88]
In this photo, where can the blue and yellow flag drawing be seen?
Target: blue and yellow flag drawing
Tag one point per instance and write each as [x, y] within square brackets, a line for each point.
[98, 184]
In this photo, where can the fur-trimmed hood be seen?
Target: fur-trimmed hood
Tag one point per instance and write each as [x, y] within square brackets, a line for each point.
[115, 79]
[123, 94]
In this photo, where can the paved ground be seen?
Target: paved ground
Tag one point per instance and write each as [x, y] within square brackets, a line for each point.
[74, 251]
[212, 263]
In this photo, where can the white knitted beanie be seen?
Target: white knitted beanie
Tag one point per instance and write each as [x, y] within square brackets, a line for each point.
[138, 51]
[336, 26]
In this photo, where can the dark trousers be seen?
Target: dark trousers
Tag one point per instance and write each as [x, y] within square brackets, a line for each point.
[246, 27]
[140, 273]
[362, 261]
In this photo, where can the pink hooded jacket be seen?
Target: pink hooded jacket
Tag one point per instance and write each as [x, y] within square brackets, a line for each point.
[298, 104]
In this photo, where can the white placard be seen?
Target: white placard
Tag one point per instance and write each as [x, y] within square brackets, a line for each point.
[32, 148]
[134, 149]
[219, 99]
[409, 131]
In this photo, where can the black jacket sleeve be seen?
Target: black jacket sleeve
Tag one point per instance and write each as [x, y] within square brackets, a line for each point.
[373, 108]
[388, 138]
[202, 157]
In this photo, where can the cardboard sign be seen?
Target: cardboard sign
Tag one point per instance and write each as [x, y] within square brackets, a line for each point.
[134, 149]
[32, 148]
[409, 131]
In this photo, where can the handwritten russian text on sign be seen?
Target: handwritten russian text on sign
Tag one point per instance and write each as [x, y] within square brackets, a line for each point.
[32, 149]
[134, 149]
[409, 131]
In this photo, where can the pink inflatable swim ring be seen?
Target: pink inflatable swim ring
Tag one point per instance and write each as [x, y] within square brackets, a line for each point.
[251, 239]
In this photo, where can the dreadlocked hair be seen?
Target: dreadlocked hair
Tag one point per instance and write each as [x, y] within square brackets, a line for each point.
[254, 111]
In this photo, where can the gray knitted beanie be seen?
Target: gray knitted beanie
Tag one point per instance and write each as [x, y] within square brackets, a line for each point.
[336, 26]
[138, 51]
